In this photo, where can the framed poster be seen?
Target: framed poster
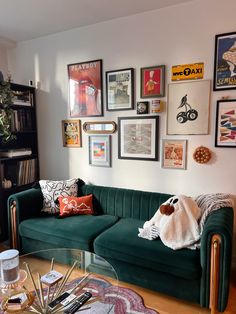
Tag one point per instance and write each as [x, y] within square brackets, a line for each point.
[188, 107]
[100, 150]
[173, 154]
[85, 89]
[138, 138]
[120, 89]
[225, 62]
[71, 133]
[225, 135]
[153, 81]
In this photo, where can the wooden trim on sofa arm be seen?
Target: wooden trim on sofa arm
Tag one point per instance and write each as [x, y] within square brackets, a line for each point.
[13, 231]
[214, 275]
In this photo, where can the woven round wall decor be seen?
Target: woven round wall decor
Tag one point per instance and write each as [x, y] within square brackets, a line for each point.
[202, 155]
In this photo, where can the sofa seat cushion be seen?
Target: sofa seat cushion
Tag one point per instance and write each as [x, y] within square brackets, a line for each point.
[121, 242]
[74, 231]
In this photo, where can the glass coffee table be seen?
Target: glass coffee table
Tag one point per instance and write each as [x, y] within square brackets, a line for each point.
[53, 280]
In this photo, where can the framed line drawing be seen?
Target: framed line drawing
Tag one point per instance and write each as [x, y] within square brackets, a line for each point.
[173, 154]
[100, 150]
[85, 89]
[71, 133]
[120, 89]
[188, 107]
[138, 138]
[225, 62]
[153, 81]
[225, 132]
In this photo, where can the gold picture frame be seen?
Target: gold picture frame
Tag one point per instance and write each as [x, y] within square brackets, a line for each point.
[71, 133]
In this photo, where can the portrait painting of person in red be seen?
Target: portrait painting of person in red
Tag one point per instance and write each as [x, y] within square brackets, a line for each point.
[85, 83]
[152, 82]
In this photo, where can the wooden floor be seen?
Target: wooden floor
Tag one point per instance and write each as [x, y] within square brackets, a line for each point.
[168, 305]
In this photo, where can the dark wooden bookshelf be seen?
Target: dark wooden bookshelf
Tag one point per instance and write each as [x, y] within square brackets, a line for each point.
[22, 171]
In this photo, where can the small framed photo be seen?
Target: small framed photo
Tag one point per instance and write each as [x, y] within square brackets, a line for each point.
[142, 107]
[71, 133]
[85, 89]
[120, 89]
[225, 133]
[100, 150]
[153, 81]
[225, 61]
[173, 154]
[138, 138]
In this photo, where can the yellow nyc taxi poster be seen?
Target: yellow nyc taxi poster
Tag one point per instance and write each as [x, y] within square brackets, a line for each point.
[187, 71]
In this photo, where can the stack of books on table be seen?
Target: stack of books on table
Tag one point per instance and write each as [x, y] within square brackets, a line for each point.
[16, 152]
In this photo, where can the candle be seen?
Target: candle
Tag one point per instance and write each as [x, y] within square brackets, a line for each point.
[9, 263]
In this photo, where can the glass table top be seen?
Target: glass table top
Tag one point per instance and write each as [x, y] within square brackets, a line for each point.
[47, 275]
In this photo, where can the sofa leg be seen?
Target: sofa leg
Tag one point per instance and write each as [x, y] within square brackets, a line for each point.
[214, 276]
[13, 231]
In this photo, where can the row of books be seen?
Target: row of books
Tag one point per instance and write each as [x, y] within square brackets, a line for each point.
[21, 120]
[26, 171]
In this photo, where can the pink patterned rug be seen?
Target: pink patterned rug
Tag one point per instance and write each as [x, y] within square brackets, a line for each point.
[123, 300]
[115, 299]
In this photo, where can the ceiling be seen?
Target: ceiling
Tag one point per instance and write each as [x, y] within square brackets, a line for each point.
[27, 19]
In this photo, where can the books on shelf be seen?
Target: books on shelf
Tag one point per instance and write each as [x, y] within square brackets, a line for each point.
[22, 98]
[26, 171]
[16, 152]
[21, 120]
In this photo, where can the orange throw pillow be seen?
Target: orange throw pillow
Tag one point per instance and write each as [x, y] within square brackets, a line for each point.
[71, 205]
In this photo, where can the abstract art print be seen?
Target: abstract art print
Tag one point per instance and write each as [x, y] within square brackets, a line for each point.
[120, 89]
[173, 154]
[138, 138]
[225, 62]
[188, 107]
[100, 150]
[225, 135]
[85, 89]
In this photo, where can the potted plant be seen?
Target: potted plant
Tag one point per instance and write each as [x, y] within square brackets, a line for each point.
[5, 110]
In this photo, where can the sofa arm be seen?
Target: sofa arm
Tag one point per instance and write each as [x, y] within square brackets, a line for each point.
[21, 206]
[216, 254]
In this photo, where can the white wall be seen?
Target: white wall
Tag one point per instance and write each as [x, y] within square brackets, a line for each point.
[174, 35]
[3, 61]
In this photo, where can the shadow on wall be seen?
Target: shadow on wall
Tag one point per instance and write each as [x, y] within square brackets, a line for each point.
[51, 109]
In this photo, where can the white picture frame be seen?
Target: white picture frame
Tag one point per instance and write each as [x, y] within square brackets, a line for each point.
[188, 107]
[100, 150]
[173, 154]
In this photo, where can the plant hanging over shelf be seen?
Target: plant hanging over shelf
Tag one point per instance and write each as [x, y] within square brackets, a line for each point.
[6, 111]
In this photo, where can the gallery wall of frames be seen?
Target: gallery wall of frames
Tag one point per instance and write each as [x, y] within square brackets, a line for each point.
[187, 107]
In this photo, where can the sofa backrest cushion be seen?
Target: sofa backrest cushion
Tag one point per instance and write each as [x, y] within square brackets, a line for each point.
[124, 203]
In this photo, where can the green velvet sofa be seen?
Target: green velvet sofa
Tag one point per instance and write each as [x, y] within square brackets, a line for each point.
[113, 234]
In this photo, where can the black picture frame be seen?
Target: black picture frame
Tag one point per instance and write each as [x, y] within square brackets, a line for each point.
[224, 62]
[86, 88]
[138, 138]
[225, 132]
[120, 89]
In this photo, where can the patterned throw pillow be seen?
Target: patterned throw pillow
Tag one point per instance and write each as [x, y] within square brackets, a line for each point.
[71, 205]
[52, 189]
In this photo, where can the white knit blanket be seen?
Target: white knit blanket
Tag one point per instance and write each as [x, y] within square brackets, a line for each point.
[211, 202]
[173, 230]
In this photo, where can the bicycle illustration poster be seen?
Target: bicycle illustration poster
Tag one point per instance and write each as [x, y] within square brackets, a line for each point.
[225, 62]
[188, 107]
